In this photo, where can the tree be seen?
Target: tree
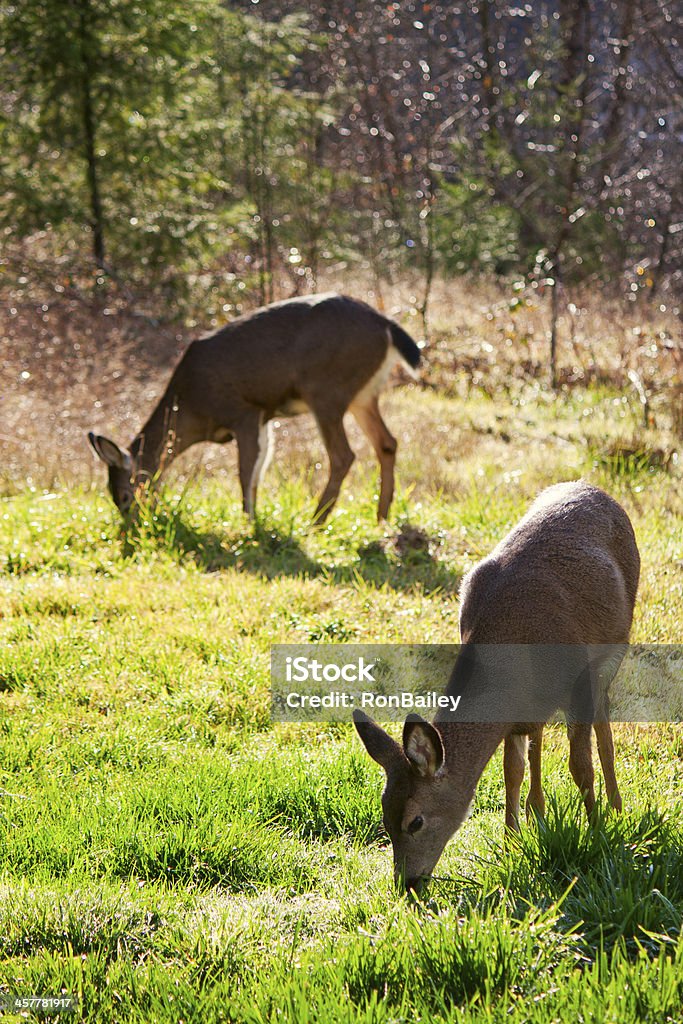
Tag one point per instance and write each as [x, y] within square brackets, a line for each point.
[85, 124]
[562, 133]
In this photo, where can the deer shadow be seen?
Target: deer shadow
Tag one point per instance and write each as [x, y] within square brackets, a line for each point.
[271, 553]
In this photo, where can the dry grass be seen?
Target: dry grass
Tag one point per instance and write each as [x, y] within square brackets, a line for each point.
[71, 363]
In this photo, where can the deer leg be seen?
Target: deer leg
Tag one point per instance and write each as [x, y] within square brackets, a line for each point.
[252, 437]
[513, 769]
[603, 733]
[341, 459]
[535, 801]
[375, 429]
[581, 762]
[265, 439]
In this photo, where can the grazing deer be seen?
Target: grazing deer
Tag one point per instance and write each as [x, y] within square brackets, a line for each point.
[566, 575]
[324, 354]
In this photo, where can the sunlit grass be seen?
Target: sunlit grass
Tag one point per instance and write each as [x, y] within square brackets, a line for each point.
[167, 854]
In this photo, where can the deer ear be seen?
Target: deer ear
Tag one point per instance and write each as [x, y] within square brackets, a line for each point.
[110, 452]
[378, 743]
[422, 745]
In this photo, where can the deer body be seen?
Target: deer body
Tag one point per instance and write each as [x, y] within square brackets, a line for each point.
[323, 354]
[563, 580]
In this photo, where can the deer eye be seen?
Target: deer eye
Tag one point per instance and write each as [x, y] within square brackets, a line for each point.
[415, 825]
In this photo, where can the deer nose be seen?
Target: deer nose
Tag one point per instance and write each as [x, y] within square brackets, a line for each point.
[416, 885]
[409, 883]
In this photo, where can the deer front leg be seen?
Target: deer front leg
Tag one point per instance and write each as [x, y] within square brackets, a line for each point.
[603, 733]
[341, 459]
[535, 801]
[581, 762]
[253, 445]
[513, 769]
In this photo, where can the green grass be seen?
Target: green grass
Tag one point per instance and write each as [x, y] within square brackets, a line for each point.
[168, 855]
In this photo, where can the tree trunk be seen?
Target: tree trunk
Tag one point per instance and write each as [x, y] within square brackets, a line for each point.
[96, 215]
[89, 137]
[554, 317]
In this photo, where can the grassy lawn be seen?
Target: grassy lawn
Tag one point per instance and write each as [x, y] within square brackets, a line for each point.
[167, 854]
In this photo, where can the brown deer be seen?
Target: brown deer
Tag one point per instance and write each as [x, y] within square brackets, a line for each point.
[564, 579]
[323, 354]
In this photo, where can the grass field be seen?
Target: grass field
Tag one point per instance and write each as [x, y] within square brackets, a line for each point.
[168, 855]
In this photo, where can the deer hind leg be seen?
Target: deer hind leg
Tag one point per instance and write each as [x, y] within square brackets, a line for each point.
[514, 754]
[384, 443]
[341, 459]
[581, 762]
[253, 445]
[535, 801]
[603, 733]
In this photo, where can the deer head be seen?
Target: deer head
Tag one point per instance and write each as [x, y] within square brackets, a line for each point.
[422, 808]
[123, 484]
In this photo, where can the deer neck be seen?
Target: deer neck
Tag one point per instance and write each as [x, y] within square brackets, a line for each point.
[469, 745]
[156, 444]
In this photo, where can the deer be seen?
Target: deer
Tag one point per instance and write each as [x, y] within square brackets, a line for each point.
[565, 581]
[325, 354]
